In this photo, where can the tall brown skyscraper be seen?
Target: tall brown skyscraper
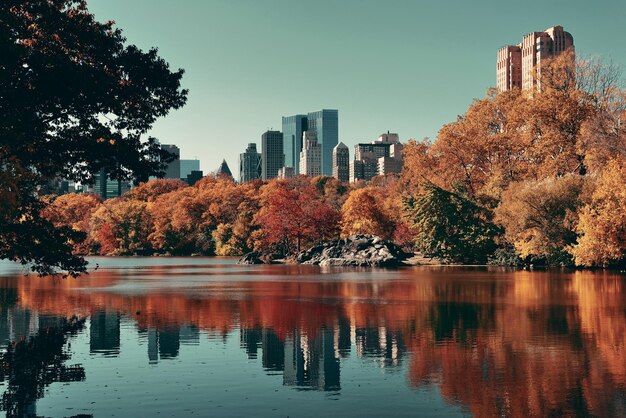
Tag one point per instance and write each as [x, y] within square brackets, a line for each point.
[515, 62]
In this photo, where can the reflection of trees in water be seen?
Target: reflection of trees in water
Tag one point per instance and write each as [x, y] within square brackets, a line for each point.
[34, 363]
[534, 344]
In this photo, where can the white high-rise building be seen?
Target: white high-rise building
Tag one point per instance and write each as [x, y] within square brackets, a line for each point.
[311, 155]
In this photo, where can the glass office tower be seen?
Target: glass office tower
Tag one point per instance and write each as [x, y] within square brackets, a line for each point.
[293, 127]
[325, 123]
[272, 157]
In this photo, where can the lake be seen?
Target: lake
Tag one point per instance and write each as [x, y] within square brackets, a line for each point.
[206, 337]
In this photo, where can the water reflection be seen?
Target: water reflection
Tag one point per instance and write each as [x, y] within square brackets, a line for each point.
[495, 343]
[29, 365]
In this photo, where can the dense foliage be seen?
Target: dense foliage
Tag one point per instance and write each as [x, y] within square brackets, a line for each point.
[451, 226]
[74, 99]
[217, 216]
[545, 165]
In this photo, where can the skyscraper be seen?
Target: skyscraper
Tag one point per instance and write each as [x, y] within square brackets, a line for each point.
[272, 157]
[325, 123]
[172, 170]
[224, 169]
[377, 158]
[515, 63]
[249, 164]
[106, 188]
[311, 155]
[341, 162]
[293, 127]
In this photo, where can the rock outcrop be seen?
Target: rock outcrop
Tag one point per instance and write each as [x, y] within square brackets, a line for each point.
[251, 258]
[357, 250]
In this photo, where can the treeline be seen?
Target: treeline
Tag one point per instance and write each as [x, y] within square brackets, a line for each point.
[217, 216]
[522, 177]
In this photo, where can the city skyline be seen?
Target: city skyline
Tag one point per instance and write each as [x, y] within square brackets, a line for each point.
[384, 68]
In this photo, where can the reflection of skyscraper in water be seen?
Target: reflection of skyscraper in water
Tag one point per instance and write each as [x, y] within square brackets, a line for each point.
[189, 335]
[48, 321]
[342, 336]
[381, 343]
[4, 328]
[162, 343]
[312, 362]
[8, 299]
[250, 340]
[169, 343]
[153, 345]
[328, 363]
[273, 351]
[22, 323]
[289, 365]
[104, 333]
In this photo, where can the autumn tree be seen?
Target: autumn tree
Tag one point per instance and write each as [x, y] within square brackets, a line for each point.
[377, 209]
[73, 211]
[174, 218]
[539, 217]
[234, 236]
[75, 99]
[121, 227]
[214, 216]
[149, 191]
[293, 214]
[602, 221]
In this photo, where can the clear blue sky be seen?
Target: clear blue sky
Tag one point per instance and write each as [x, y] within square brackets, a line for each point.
[404, 66]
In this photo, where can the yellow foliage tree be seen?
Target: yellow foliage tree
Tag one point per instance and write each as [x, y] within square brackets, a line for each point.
[602, 222]
[364, 213]
[539, 217]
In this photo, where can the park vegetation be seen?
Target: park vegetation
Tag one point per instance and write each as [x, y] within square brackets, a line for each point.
[521, 178]
[75, 99]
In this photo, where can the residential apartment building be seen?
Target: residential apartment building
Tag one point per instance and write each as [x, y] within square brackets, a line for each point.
[515, 63]
[286, 173]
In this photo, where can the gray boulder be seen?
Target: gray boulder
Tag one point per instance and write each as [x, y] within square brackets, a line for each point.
[356, 250]
[251, 258]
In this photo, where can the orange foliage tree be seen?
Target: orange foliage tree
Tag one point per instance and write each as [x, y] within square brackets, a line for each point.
[213, 216]
[602, 222]
[74, 211]
[151, 190]
[121, 227]
[377, 209]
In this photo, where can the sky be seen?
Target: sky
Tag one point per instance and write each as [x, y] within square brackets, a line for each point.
[396, 65]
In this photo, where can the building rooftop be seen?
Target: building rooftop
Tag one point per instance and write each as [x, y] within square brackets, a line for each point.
[224, 169]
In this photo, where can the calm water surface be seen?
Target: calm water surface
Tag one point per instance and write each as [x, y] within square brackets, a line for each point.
[206, 337]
